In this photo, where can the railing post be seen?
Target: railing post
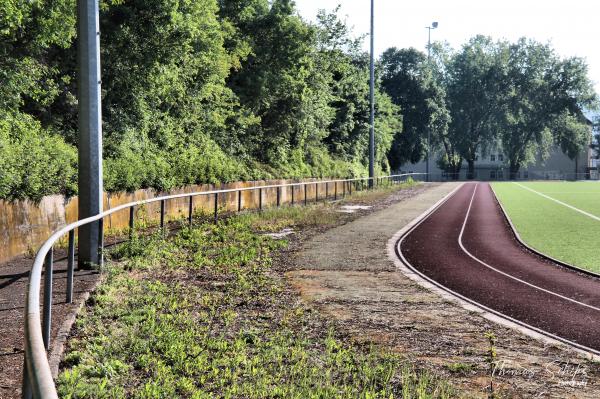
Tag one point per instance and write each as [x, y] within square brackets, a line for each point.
[70, 265]
[162, 214]
[326, 190]
[47, 321]
[239, 200]
[316, 192]
[131, 221]
[335, 191]
[216, 210]
[260, 198]
[278, 196]
[305, 194]
[191, 210]
[101, 242]
[292, 187]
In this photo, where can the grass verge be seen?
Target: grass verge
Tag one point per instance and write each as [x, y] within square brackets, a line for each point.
[205, 314]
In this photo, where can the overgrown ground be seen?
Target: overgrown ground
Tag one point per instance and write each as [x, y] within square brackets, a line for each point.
[205, 314]
[552, 228]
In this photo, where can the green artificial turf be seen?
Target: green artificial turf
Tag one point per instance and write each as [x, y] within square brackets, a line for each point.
[552, 228]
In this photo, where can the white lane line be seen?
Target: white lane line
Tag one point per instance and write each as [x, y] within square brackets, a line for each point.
[560, 202]
[397, 253]
[460, 236]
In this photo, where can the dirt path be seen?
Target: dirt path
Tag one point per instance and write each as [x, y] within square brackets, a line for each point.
[346, 273]
[14, 276]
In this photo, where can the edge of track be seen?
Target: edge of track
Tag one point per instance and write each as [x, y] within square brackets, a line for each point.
[396, 255]
[535, 251]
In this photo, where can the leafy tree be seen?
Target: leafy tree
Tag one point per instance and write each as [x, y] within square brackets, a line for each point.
[474, 90]
[409, 79]
[543, 104]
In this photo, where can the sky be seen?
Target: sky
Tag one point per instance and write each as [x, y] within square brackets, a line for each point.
[571, 27]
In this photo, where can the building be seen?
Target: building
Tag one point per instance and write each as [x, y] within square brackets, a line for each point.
[494, 166]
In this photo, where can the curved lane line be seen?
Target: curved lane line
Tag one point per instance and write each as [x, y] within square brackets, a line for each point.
[590, 215]
[504, 273]
[400, 255]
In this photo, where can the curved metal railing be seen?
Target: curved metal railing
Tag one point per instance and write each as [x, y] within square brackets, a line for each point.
[37, 375]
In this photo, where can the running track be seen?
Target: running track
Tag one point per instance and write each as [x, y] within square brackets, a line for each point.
[467, 246]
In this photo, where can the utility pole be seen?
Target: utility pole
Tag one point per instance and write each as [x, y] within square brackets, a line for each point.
[434, 25]
[90, 129]
[372, 101]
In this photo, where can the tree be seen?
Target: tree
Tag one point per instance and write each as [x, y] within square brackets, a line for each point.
[346, 69]
[543, 103]
[474, 90]
[408, 79]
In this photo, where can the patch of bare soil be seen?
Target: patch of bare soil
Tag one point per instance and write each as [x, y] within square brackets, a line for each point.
[346, 274]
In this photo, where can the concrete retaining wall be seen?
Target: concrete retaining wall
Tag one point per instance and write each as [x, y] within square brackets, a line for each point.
[25, 225]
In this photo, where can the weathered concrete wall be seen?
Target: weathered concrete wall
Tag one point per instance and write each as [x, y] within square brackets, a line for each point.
[24, 225]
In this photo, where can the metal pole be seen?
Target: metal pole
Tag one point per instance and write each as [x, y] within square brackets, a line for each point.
[162, 214]
[305, 194]
[47, 322]
[292, 194]
[131, 221]
[428, 130]
[101, 242]
[278, 197]
[372, 99]
[191, 210]
[70, 266]
[216, 210]
[239, 201]
[260, 199]
[90, 128]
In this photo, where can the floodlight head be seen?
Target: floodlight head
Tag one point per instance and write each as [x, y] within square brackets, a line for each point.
[434, 25]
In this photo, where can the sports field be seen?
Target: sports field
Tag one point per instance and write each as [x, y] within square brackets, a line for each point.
[560, 219]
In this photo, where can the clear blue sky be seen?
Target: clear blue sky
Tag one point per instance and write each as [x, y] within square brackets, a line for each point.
[572, 27]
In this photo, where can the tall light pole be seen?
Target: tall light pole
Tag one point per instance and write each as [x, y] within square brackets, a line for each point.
[90, 129]
[434, 25]
[372, 100]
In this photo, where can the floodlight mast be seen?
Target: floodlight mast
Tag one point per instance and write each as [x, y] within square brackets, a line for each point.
[434, 25]
[372, 101]
[90, 130]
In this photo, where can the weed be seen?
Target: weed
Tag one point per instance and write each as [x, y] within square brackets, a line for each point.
[202, 314]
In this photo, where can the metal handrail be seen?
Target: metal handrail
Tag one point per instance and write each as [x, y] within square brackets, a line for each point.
[37, 375]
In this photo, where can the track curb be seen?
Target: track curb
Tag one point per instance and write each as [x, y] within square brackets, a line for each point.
[535, 251]
[470, 305]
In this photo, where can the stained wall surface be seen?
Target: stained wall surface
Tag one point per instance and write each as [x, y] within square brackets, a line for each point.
[25, 225]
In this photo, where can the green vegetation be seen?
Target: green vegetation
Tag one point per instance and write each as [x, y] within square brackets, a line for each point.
[552, 228]
[193, 92]
[517, 97]
[206, 314]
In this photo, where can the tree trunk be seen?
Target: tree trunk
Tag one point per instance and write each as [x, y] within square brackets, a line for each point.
[514, 169]
[471, 170]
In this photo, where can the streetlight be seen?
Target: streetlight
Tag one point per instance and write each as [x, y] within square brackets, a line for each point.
[372, 101]
[434, 25]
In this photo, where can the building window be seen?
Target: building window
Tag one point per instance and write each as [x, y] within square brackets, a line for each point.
[500, 174]
[526, 175]
[493, 157]
[500, 157]
[492, 174]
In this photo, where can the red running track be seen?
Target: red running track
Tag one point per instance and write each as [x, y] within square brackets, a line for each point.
[467, 246]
